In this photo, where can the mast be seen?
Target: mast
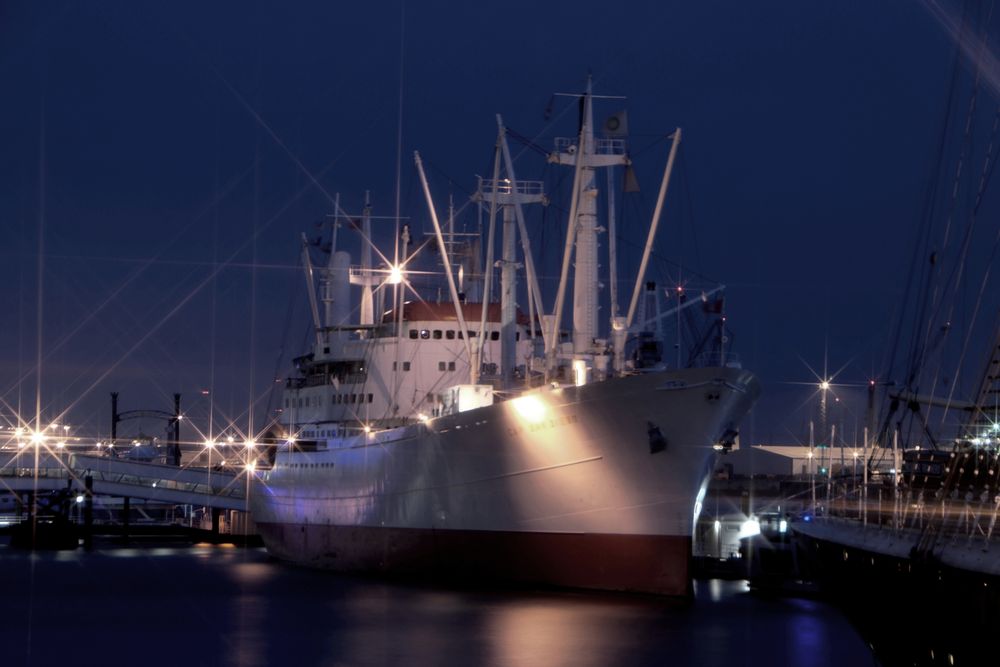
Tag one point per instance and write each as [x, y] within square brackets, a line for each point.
[367, 305]
[534, 292]
[652, 227]
[587, 153]
[311, 291]
[473, 355]
[336, 281]
[510, 194]
[488, 274]
[585, 276]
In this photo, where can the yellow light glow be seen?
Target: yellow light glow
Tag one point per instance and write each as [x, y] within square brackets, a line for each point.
[251, 466]
[37, 437]
[250, 444]
[395, 275]
[824, 385]
[530, 408]
[368, 429]
[209, 444]
[579, 372]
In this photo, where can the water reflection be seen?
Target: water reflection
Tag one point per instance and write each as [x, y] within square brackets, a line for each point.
[239, 608]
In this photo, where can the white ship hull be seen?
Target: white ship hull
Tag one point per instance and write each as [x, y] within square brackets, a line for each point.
[595, 486]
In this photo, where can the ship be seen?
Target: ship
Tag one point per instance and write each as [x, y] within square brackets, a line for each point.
[462, 437]
[915, 535]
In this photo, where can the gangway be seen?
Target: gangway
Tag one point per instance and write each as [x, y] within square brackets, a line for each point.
[196, 486]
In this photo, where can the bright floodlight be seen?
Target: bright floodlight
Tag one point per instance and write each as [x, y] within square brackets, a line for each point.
[395, 275]
[824, 385]
[209, 443]
[37, 437]
[531, 408]
[749, 528]
[251, 466]
[250, 444]
[79, 499]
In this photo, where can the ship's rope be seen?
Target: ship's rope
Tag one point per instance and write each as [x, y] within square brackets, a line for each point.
[923, 265]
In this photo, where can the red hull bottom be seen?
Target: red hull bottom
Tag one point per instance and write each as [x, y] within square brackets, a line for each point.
[657, 564]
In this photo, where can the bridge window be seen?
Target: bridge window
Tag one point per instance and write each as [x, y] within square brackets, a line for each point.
[494, 335]
[413, 334]
[451, 365]
[370, 397]
[437, 334]
[406, 365]
[425, 334]
[450, 334]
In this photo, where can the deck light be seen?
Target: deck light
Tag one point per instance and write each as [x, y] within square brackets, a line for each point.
[531, 408]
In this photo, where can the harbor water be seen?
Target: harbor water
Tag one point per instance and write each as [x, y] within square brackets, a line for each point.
[219, 605]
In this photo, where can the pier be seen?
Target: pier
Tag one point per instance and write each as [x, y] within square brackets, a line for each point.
[56, 494]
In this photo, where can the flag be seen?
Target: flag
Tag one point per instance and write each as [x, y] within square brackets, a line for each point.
[713, 306]
[631, 182]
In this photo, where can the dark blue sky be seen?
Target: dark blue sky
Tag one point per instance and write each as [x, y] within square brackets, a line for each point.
[147, 141]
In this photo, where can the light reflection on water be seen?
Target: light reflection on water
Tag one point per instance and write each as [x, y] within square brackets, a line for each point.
[234, 607]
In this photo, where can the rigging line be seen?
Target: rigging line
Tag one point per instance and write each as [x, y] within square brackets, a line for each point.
[686, 187]
[921, 243]
[677, 265]
[957, 269]
[975, 315]
[659, 138]
[954, 278]
[965, 151]
[527, 143]
[988, 163]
